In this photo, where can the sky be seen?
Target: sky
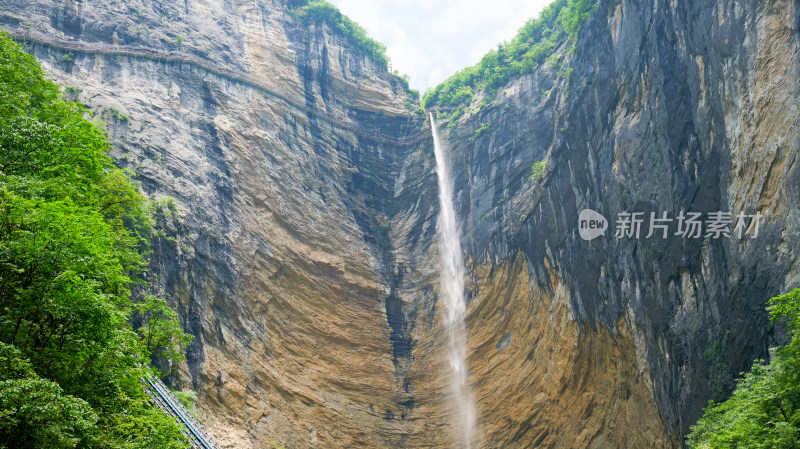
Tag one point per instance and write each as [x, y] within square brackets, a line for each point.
[432, 39]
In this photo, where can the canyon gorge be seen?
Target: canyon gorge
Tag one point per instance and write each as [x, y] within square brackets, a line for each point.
[303, 254]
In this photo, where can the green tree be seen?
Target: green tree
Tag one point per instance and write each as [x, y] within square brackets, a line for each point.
[764, 410]
[73, 233]
[34, 413]
[161, 333]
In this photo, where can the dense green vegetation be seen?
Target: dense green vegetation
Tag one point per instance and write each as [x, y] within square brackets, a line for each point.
[537, 40]
[73, 233]
[764, 410]
[322, 11]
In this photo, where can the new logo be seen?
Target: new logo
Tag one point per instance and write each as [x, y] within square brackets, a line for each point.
[591, 224]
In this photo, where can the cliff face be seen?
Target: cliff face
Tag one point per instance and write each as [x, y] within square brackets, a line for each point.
[299, 244]
[302, 257]
[671, 106]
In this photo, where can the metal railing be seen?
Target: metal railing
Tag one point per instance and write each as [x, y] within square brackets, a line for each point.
[166, 401]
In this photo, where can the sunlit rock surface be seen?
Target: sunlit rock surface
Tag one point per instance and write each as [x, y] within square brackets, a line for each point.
[302, 251]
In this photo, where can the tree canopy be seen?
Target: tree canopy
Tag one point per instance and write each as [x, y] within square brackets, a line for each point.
[764, 410]
[558, 23]
[74, 232]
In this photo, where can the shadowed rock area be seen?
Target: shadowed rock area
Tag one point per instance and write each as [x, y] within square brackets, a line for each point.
[302, 250]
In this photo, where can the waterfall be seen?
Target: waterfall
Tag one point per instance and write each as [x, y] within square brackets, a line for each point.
[452, 278]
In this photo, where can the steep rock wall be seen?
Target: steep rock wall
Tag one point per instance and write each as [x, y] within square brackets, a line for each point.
[300, 243]
[302, 251]
[670, 106]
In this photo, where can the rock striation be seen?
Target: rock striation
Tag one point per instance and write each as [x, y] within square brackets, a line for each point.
[670, 107]
[301, 252]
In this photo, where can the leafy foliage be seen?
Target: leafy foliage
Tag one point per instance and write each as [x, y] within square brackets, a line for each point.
[481, 130]
[188, 400]
[34, 412]
[321, 11]
[537, 170]
[534, 43]
[73, 229]
[764, 410]
[404, 80]
[161, 329]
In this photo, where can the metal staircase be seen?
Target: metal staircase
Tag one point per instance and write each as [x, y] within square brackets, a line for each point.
[165, 400]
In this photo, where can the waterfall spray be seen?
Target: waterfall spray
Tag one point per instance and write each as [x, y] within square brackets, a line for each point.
[452, 277]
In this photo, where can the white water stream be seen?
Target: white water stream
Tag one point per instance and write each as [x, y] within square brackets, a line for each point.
[452, 276]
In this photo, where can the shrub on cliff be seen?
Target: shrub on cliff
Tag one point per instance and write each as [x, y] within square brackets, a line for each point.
[322, 11]
[72, 232]
[764, 410]
[558, 23]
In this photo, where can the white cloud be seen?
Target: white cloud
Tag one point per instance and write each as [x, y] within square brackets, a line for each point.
[432, 39]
